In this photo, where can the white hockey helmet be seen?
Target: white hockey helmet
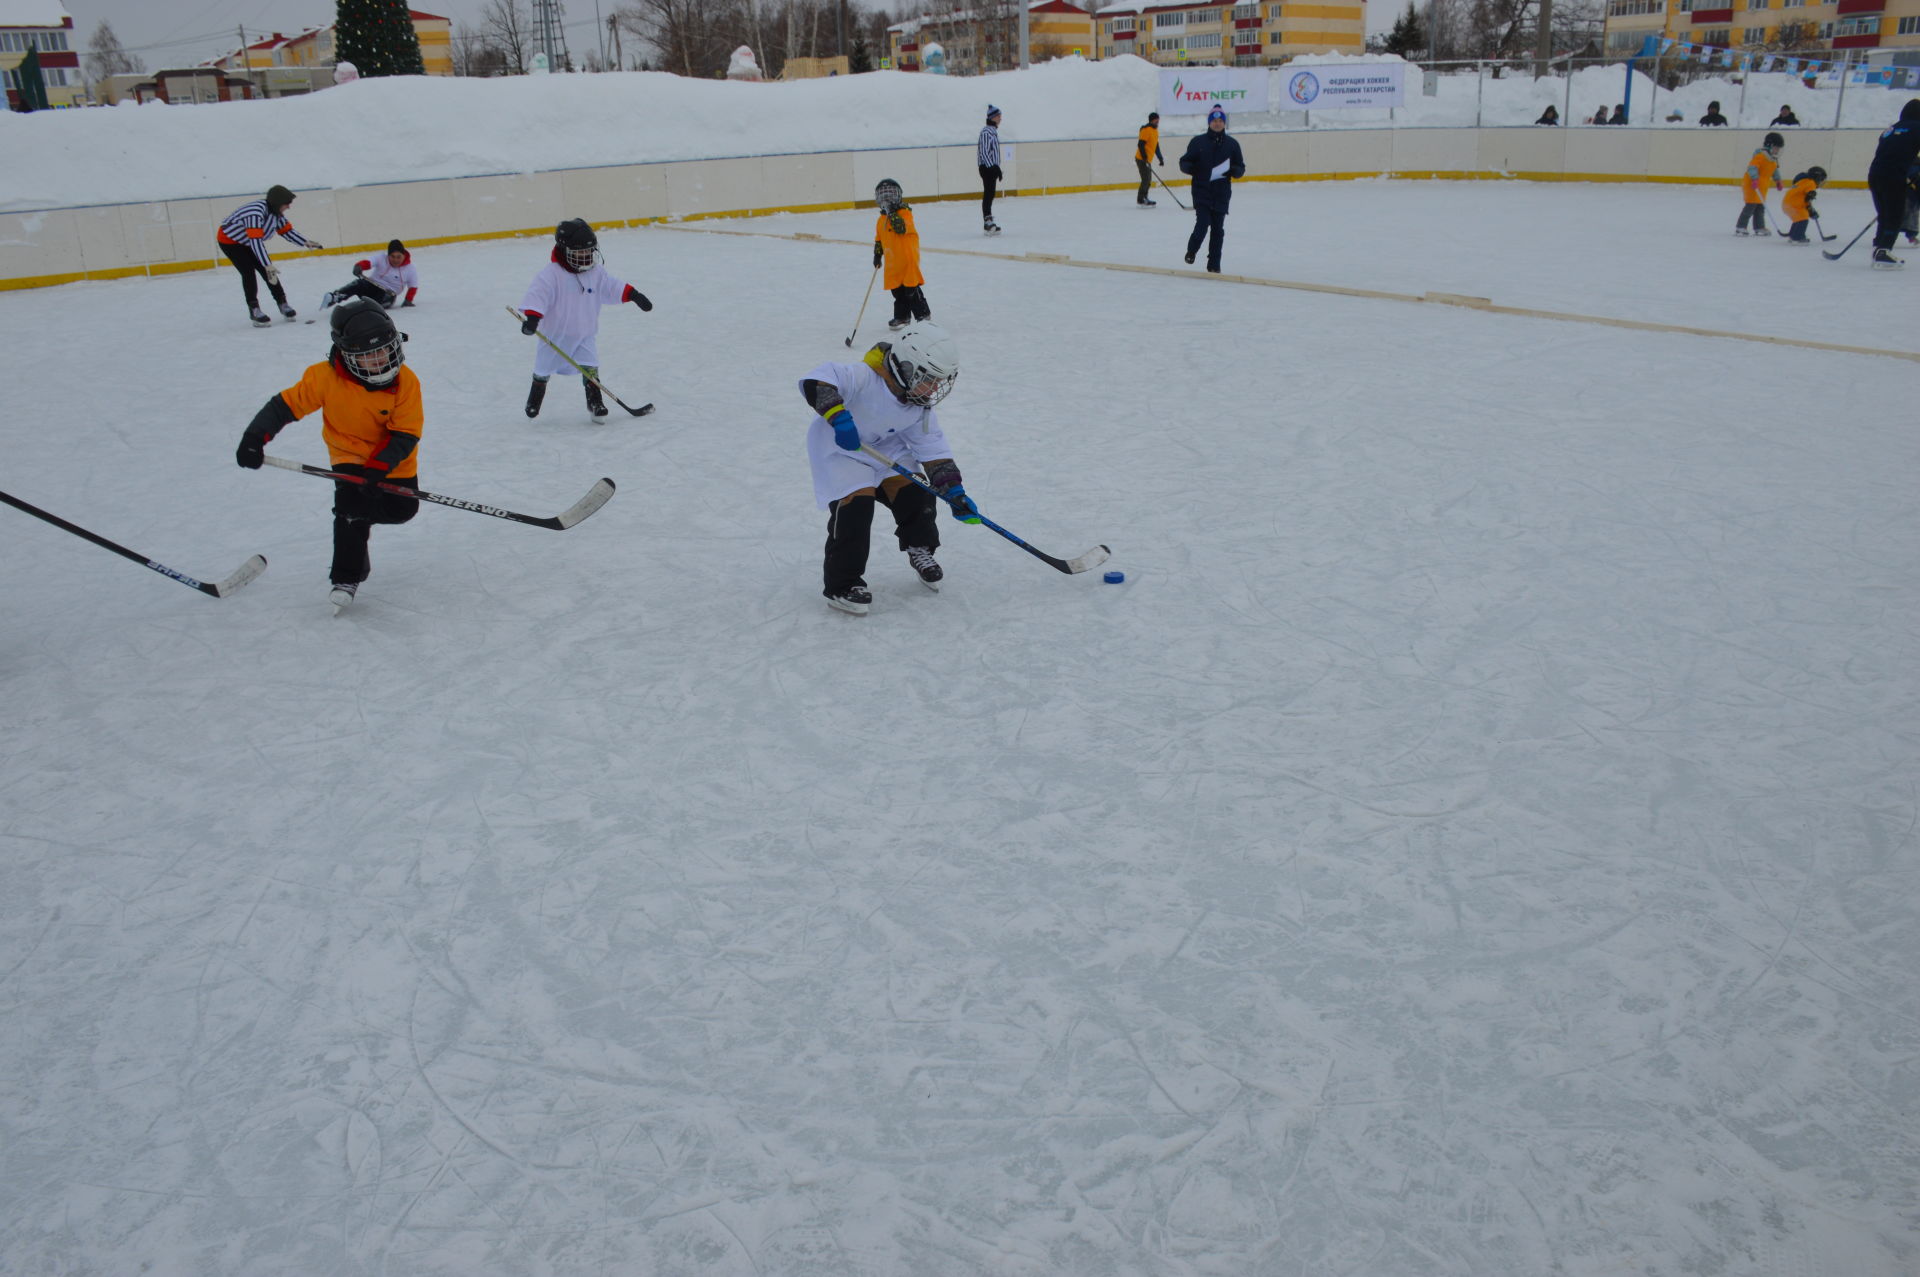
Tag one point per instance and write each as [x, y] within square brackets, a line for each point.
[924, 362]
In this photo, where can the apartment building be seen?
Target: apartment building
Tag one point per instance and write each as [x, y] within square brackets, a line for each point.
[44, 25]
[986, 38]
[314, 48]
[1256, 34]
[1774, 26]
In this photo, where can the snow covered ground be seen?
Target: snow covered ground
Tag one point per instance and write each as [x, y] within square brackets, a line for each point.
[1478, 838]
[401, 129]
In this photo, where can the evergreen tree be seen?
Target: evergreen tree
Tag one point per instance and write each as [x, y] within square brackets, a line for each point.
[1406, 37]
[859, 57]
[378, 37]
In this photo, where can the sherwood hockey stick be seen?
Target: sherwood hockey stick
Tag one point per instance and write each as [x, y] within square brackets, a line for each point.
[1091, 559]
[641, 411]
[218, 589]
[1165, 187]
[596, 497]
[863, 307]
[1834, 257]
[1819, 228]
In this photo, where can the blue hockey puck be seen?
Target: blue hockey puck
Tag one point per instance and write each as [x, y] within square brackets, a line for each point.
[1114, 578]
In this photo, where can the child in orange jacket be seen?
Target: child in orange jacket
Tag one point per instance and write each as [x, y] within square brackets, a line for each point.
[1763, 168]
[1798, 202]
[896, 245]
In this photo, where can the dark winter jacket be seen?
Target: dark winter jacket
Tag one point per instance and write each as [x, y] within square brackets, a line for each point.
[1204, 154]
[1899, 150]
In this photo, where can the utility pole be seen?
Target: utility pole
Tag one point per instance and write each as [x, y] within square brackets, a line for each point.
[1025, 28]
[1543, 47]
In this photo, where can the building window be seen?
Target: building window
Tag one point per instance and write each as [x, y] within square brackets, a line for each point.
[1621, 41]
[1164, 20]
[1273, 13]
[1210, 41]
[1753, 35]
[1909, 26]
[1119, 25]
[1244, 12]
[1858, 26]
[1633, 8]
[1793, 4]
[1756, 4]
[1167, 44]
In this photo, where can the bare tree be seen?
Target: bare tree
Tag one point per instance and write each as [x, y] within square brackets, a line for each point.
[106, 56]
[506, 32]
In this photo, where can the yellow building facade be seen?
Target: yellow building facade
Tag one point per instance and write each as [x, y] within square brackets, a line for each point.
[1258, 34]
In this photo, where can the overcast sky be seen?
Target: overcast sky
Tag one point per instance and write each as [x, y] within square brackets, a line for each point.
[183, 32]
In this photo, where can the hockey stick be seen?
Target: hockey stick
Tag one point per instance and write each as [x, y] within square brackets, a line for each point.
[1825, 238]
[596, 497]
[863, 307]
[641, 411]
[218, 589]
[1834, 257]
[1091, 559]
[1168, 189]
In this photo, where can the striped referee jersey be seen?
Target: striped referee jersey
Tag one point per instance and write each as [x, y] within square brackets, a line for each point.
[252, 223]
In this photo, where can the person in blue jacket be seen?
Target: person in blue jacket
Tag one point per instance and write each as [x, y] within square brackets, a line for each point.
[1213, 161]
[1893, 176]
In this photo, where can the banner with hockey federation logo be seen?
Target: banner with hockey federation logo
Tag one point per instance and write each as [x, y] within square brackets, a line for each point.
[1344, 84]
[1197, 90]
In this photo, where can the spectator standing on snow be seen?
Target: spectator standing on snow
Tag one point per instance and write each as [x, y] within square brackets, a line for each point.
[243, 238]
[1619, 114]
[1549, 116]
[1786, 118]
[1894, 179]
[1599, 117]
[1713, 118]
[1146, 153]
[1213, 161]
[987, 155]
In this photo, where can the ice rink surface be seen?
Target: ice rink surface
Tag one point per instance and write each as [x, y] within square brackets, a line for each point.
[1478, 838]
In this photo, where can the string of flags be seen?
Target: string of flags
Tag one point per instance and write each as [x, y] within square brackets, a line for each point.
[1894, 77]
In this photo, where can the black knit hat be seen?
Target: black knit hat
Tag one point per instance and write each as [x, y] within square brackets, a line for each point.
[395, 246]
[278, 197]
[1911, 111]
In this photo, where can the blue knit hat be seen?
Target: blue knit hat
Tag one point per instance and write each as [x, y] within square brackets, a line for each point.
[1218, 113]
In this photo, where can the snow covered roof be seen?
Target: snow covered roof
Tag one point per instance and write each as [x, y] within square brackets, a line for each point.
[968, 15]
[33, 13]
[1116, 9]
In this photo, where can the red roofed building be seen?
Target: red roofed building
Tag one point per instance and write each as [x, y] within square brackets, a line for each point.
[44, 25]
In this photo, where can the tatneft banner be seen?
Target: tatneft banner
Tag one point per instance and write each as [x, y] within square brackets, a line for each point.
[1328, 87]
[1197, 90]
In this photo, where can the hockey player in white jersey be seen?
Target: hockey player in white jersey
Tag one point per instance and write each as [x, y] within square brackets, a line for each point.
[884, 402]
[385, 278]
[563, 304]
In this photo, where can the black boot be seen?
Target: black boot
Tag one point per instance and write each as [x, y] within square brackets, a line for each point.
[595, 404]
[535, 394]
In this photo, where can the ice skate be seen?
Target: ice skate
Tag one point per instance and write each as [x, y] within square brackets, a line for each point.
[991, 228]
[897, 324]
[595, 404]
[341, 595]
[328, 299]
[534, 396]
[1148, 203]
[1883, 259]
[1192, 255]
[1761, 231]
[1742, 231]
[287, 312]
[260, 319]
[924, 564]
[855, 599]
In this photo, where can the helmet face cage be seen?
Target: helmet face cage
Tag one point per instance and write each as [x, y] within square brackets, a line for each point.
[578, 244]
[921, 386]
[367, 342]
[889, 196]
[378, 366]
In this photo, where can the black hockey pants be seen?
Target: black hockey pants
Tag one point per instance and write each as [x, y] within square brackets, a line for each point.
[910, 303]
[356, 508]
[249, 267]
[850, 533]
[366, 288]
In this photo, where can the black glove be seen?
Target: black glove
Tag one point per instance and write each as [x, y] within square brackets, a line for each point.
[359, 269]
[879, 255]
[252, 451]
[896, 223]
[273, 417]
[531, 322]
[406, 303]
[640, 299]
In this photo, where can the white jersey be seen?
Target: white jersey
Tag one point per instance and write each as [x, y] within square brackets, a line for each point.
[905, 433]
[398, 280]
[569, 307]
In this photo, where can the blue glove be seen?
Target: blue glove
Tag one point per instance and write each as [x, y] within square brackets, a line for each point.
[845, 433]
[963, 507]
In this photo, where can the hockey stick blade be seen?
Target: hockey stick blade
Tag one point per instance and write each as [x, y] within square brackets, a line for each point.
[218, 589]
[241, 575]
[1091, 559]
[596, 497]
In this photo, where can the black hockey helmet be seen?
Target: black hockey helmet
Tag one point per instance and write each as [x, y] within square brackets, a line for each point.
[1818, 174]
[888, 195]
[1773, 141]
[577, 244]
[366, 342]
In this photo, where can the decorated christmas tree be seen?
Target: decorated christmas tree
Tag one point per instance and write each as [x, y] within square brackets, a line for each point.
[377, 36]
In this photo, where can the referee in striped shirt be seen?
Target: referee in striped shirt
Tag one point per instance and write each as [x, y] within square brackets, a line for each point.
[243, 238]
[988, 157]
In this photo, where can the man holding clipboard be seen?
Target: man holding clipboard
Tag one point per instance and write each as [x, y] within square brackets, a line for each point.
[1212, 160]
